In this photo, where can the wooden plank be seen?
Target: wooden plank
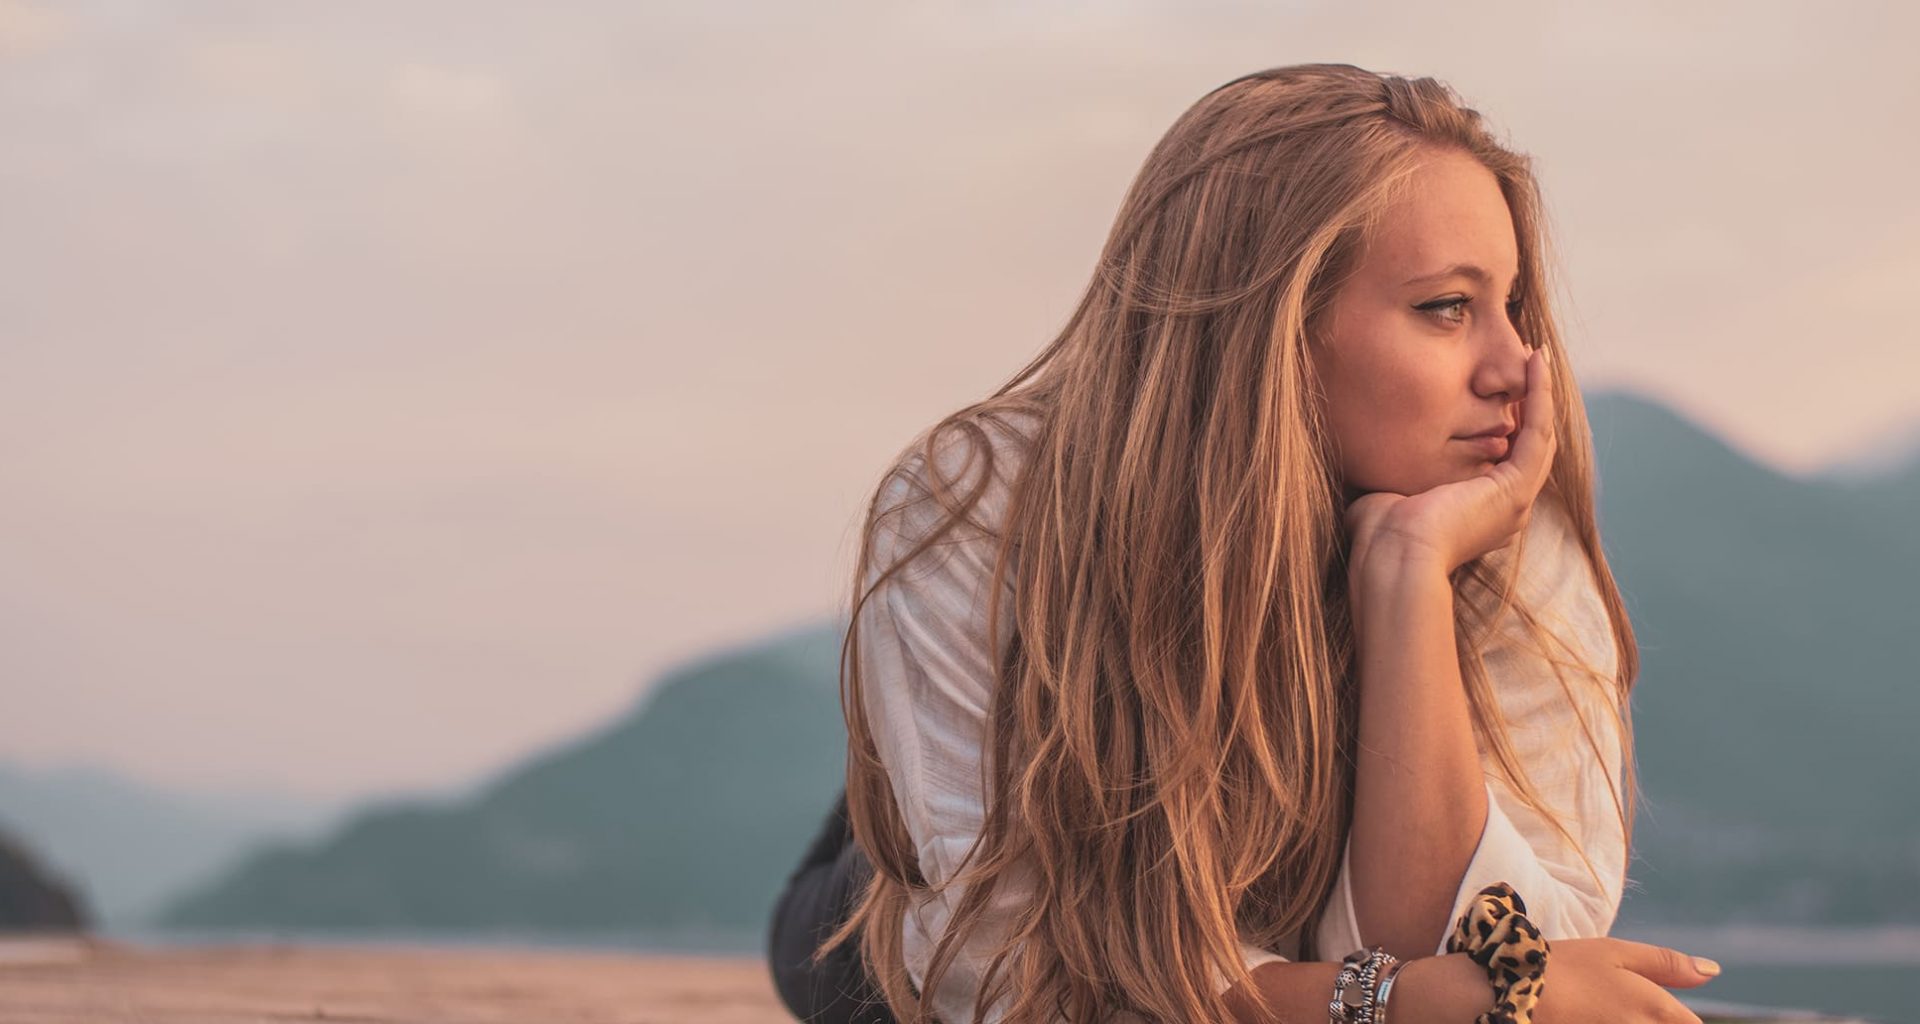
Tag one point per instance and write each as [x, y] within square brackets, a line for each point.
[102, 982]
[97, 981]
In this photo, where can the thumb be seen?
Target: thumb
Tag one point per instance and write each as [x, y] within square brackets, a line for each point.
[1666, 967]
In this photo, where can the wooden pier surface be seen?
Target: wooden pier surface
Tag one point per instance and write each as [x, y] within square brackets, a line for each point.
[100, 981]
[73, 981]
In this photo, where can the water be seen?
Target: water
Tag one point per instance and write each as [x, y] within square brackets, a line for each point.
[1886, 994]
[1869, 972]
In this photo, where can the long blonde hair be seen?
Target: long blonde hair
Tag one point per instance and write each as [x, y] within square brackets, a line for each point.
[1173, 721]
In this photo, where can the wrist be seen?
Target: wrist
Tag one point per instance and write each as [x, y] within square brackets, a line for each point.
[1442, 989]
[1395, 557]
[1395, 582]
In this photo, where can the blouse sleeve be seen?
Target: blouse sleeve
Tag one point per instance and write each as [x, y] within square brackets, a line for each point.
[928, 680]
[1517, 844]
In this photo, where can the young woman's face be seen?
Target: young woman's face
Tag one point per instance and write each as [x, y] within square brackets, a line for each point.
[1417, 351]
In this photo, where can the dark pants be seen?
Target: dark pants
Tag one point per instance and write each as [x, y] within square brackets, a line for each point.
[818, 897]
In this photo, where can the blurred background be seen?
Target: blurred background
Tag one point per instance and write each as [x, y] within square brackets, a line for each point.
[438, 432]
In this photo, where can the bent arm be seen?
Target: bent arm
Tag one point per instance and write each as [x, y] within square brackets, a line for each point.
[1420, 804]
[1512, 840]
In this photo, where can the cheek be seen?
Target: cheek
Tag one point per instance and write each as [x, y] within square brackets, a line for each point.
[1393, 428]
[1392, 398]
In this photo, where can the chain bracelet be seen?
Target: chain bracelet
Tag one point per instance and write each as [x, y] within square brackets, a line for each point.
[1354, 996]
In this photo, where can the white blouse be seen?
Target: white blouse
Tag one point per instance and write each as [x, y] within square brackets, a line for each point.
[928, 681]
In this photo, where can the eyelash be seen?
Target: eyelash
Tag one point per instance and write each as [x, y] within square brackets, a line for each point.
[1513, 308]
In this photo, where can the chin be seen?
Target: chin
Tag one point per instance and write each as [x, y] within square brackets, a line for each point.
[1443, 467]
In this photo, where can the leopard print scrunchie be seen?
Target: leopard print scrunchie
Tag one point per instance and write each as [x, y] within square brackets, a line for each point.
[1495, 933]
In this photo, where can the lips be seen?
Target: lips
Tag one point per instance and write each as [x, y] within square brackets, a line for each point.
[1500, 431]
[1493, 446]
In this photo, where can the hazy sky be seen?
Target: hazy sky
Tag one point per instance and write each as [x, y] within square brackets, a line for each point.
[394, 389]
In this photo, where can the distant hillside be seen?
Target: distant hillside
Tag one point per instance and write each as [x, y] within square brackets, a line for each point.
[1778, 703]
[1895, 454]
[687, 812]
[128, 845]
[1775, 713]
[33, 898]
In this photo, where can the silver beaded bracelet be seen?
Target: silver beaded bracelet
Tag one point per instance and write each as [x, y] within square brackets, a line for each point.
[1386, 987]
[1355, 999]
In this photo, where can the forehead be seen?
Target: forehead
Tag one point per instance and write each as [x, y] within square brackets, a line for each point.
[1450, 212]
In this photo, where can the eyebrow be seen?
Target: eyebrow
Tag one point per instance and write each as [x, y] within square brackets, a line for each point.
[1460, 270]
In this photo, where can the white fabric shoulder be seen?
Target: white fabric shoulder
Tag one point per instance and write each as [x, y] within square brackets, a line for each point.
[928, 686]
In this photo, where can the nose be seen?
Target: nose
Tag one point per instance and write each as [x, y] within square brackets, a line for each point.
[1502, 371]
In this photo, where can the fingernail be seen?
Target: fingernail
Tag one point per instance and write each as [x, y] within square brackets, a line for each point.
[1705, 966]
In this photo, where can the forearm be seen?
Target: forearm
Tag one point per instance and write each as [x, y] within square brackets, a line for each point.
[1431, 990]
[1419, 799]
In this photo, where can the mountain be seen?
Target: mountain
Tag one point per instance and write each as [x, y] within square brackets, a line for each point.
[128, 845]
[1893, 495]
[1777, 701]
[1776, 709]
[33, 898]
[1894, 455]
[687, 812]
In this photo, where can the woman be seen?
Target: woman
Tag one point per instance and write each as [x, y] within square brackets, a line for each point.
[1212, 640]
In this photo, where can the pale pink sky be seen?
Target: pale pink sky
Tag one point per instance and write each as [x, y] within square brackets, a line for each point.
[394, 389]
